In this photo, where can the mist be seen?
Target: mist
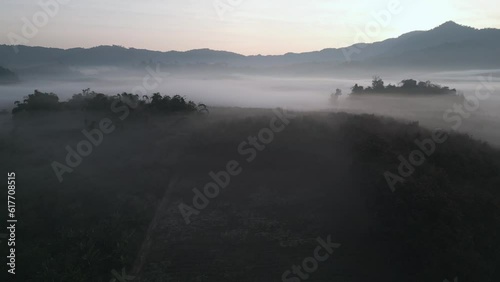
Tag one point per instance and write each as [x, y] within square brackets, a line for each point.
[300, 93]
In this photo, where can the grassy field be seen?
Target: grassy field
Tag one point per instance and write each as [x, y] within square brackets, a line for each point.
[323, 175]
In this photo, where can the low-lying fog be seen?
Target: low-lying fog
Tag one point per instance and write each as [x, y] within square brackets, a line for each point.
[299, 93]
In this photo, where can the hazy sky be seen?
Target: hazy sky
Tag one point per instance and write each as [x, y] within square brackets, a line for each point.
[243, 26]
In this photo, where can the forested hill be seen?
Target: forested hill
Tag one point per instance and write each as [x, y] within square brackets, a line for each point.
[7, 76]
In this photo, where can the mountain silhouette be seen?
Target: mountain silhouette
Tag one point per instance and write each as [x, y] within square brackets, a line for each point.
[449, 46]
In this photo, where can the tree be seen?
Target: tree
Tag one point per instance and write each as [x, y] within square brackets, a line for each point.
[408, 83]
[356, 89]
[377, 84]
[38, 101]
[335, 96]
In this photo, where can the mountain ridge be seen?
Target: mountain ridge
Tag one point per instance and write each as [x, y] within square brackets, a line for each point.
[400, 51]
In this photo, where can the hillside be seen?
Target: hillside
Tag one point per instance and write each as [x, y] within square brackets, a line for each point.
[7, 76]
[323, 175]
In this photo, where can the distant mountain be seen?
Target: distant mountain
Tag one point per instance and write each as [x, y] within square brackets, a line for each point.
[7, 76]
[449, 46]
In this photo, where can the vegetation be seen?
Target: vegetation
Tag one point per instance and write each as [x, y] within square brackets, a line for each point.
[321, 176]
[38, 101]
[407, 86]
[91, 101]
[335, 96]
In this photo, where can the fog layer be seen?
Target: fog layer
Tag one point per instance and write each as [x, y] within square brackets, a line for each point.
[298, 93]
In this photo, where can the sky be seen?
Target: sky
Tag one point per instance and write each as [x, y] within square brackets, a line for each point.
[250, 27]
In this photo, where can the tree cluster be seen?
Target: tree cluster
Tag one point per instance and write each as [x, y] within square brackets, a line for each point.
[407, 86]
[91, 101]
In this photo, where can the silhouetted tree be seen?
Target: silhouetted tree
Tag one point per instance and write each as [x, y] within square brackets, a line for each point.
[335, 96]
[91, 101]
[356, 89]
[377, 84]
[38, 101]
[408, 86]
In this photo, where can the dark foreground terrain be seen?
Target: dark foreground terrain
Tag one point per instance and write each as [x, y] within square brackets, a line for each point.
[321, 176]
